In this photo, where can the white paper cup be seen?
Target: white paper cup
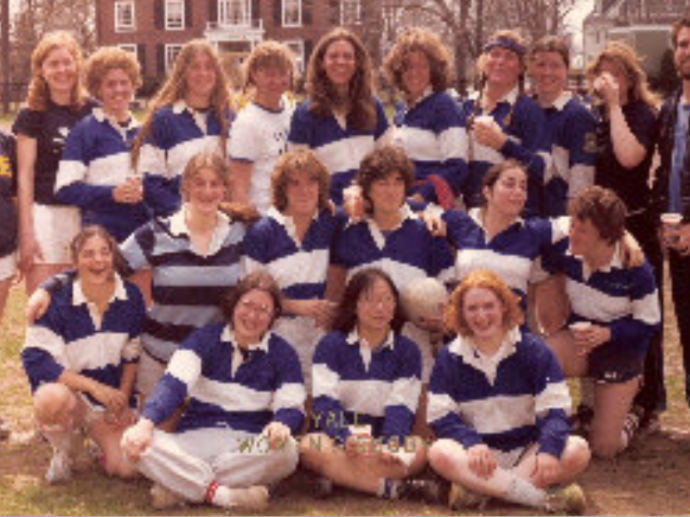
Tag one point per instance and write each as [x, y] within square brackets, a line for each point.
[360, 430]
[579, 326]
[671, 222]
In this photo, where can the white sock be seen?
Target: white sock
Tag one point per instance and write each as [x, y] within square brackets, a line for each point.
[521, 491]
[60, 442]
[222, 496]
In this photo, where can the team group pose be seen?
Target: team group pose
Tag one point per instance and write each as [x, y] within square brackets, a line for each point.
[254, 282]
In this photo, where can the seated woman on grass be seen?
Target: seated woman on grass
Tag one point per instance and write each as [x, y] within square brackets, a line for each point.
[246, 399]
[498, 404]
[81, 357]
[366, 379]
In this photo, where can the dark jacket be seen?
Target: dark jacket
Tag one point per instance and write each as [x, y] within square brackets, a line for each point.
[8, 212]
[667, 124]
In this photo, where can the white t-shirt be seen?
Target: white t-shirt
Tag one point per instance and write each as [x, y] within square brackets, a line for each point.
[259, 136]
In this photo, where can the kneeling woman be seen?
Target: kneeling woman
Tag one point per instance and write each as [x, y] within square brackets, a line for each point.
[246, 398]
[366, 384]
[498, 405]
[81, 356]
[614, 315]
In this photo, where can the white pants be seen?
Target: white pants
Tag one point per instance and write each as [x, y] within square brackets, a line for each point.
[303, 335]
[54, 229]
[187, 463]
[8, 266]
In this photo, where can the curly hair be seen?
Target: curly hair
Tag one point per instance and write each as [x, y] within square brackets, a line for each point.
[38, 91]
[361, 283]
[268, 54]
[380, 163]
[320, 90]
[298, 160]
[106, 59]
[628, 61]
[481, 278]
[175, 89]
[421, 40]
[603, 208]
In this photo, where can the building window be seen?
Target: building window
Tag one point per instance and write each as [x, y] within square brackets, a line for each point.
[233, 12]
[174, 15]
[350, 12]
[129, 47]
[297, 47]
[292, 13]
[171, 52]
[124, 16]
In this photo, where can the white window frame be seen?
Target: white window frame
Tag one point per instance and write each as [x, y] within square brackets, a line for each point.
[297, 47]
[129, 47]
[288, 23]
[357, 4]
[120, 9]
[171, 52]
[225, 12]
[177, 25]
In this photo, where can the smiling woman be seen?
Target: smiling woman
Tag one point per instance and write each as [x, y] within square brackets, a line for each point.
[95, 172]
[81, 357]
[498, 404]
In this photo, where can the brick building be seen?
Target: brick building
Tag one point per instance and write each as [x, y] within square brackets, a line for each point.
[156, 29]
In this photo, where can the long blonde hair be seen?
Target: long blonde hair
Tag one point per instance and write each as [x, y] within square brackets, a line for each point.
[39, 91]
[175, 89]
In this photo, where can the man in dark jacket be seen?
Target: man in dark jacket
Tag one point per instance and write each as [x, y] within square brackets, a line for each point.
[8, 228]
[671, 192]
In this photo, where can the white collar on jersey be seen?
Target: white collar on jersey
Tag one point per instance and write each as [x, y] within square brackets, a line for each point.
[178, 227]
[562, 100]
[476, 215]
[228, 336]
[377, 234]
[365, 350]
[78, 297]
[287, 221]
[615, 262]
[510, 97]
[101, 116]
[463, 348]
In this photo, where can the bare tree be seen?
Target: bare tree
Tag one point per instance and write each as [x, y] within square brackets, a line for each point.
[38, 17]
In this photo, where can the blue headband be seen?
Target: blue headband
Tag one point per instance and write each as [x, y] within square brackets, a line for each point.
[506, 43]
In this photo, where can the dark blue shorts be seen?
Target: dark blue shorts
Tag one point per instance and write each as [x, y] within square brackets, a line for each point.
[607, 365]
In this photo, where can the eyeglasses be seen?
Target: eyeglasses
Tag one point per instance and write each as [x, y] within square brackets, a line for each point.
[262, 310]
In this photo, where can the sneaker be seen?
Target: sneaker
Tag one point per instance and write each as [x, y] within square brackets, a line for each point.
[60, 469]
[426, 490]
[322, 487]
[252, 498]
[461, 498]
[569, 500]
[631, 426]
[164, 499]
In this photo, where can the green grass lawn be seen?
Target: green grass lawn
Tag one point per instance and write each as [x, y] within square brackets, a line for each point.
[651, 478]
